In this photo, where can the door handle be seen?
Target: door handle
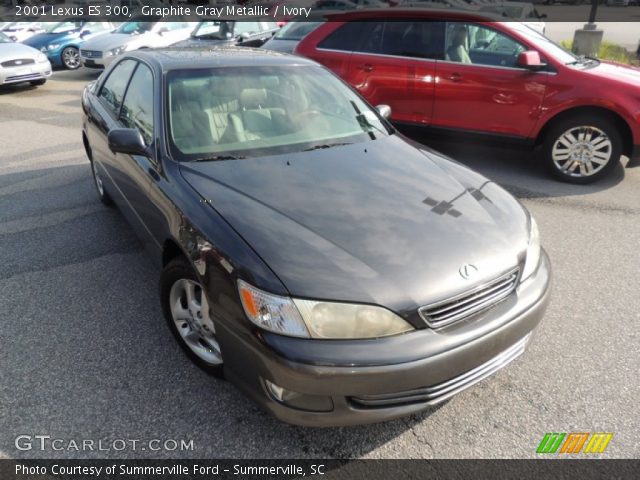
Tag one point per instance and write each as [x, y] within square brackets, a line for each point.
[367, 67]
[455, 77]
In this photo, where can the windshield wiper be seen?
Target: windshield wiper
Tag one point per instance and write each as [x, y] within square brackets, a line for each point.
[216, 158]
[583, 59]
[326, 145]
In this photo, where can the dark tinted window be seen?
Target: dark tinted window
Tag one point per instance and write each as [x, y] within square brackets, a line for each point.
[346, 37]
[113, 88]
[406, 39]
[137, 110]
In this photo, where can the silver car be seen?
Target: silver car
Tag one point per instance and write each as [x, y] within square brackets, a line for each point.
[100, 52]
[20, 63]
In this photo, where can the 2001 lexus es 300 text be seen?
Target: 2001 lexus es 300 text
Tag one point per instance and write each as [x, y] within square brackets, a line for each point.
[335, 271]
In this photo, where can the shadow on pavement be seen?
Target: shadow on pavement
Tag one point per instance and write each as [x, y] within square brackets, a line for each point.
[91, 356]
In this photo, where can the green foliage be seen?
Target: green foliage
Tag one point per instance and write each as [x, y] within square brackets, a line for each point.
[608, 51]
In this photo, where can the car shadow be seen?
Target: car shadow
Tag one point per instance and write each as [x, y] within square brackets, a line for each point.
[518, 169]
[99, 361]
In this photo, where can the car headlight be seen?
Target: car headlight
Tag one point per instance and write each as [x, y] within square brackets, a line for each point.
[533, 251]
[318, 319]
[116, 51]
[41, 58]
[53, 46]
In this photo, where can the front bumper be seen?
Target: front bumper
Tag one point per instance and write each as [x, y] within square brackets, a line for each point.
[430, 366]
[27, 73]
[102, 62]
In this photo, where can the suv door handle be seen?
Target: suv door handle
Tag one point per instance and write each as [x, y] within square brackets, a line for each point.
[455, 77]
[367, 67]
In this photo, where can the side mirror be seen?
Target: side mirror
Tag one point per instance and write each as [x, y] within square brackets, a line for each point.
[384, 111]
[84, 33]
[127, 140]
[530, 60]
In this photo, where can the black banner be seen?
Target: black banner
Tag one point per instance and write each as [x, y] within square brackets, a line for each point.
[564, 468]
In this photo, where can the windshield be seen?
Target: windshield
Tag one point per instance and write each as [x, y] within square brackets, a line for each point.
[135, 27]
[63, 27]
[296, 30]
[555, 50]
[243, 112]
[221, 30]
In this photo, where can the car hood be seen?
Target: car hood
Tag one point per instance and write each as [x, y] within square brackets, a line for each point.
[616, 71]
[377, 222]
[285, 46]
[43, 39]
[11, 51]
[109, 41]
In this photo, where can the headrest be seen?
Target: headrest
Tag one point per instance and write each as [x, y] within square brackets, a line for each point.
[252, 98]
[224, 86]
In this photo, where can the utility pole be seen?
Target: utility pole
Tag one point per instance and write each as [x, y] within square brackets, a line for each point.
[587, 40]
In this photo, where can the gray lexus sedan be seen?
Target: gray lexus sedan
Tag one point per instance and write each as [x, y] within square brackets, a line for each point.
[334, 270]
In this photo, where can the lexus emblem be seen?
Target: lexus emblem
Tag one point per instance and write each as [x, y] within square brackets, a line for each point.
[18, 62]
[467, 271]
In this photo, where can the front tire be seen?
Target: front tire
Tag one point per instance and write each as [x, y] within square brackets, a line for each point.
[188, 313]
[582, 149]
[103, 195]
[70, 57]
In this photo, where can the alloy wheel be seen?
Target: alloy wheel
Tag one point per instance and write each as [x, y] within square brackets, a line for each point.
[71, 58]
[192, 317]
[582, 151]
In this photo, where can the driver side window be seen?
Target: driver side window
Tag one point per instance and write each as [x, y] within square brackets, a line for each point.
[480, 45]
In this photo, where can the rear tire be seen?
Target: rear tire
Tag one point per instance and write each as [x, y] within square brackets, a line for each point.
[188, 313]
[582, 148]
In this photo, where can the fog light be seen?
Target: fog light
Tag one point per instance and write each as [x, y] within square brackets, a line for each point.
[301, 401]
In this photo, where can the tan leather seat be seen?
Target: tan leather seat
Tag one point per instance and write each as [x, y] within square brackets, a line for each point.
[190, 125]
[224, 100]
[255, 120]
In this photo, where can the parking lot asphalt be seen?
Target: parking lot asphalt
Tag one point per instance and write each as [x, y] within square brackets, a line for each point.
[85, 353]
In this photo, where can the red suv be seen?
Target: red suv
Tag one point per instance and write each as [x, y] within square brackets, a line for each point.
[460, 71]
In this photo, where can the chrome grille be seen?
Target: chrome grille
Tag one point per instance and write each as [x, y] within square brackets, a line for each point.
[471, 302]
[18, 62]
[91, 53]
[442, 391]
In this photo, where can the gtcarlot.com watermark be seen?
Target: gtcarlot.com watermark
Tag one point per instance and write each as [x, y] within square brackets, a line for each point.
[48, 443]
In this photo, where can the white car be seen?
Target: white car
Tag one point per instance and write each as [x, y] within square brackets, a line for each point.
[518, 11]
[101, 51]
[22, 30]
[20, 63]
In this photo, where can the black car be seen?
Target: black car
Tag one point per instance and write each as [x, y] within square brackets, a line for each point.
[330, 268]
[229, 33]
[286, 39]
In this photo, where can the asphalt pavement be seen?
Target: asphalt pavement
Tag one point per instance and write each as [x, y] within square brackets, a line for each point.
[85, 353]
